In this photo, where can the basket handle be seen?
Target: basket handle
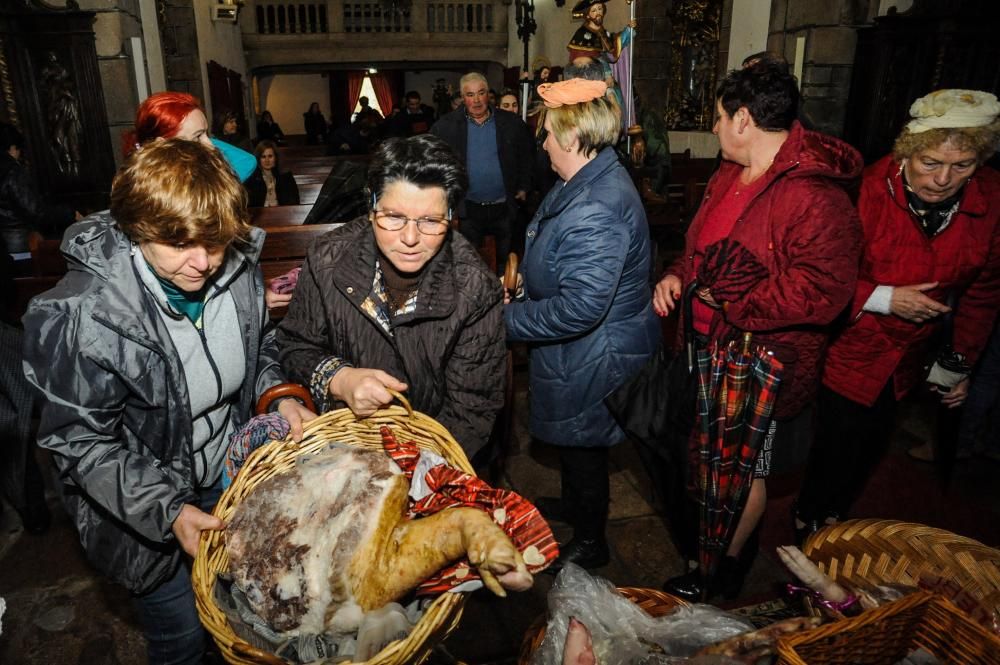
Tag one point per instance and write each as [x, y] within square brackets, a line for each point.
[510, 273]
[284, 390]
[244, 650]
[402, 400]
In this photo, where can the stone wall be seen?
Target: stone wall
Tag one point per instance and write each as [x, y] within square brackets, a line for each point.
[652, 51]
[179, 38]
[116, 21]
[830, 32]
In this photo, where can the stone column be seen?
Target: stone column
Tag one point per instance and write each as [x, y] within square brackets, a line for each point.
[830, 31]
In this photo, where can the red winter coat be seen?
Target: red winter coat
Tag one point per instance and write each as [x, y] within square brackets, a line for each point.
[804, 229]
[964, 258]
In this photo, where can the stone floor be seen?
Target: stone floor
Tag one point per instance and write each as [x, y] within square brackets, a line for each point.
[60, 611]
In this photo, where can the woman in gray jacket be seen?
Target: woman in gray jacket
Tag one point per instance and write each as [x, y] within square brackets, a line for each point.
[136, 356]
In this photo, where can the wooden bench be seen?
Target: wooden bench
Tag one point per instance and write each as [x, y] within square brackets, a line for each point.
[279, 216]
[286, 247]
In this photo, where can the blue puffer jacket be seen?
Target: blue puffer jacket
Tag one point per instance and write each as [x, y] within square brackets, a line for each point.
[587, 313]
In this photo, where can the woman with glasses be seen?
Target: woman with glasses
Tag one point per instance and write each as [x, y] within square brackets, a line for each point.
[397, 300]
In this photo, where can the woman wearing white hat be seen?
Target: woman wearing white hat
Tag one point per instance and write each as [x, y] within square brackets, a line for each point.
[931, 264]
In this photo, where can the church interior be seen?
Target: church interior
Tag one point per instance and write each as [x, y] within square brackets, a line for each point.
[74, 72]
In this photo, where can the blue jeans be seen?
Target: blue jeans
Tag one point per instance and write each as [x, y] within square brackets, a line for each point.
[174, 634]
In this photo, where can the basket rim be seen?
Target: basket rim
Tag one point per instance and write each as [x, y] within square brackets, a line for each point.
[440, 618]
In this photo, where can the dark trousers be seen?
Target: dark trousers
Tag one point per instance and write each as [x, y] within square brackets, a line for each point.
[982, 408]
[174, 633]
[585, 490]
[489, 219]
[851, 440]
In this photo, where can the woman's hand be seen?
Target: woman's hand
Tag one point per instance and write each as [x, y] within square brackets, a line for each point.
[910, 303]
[705, 295]
[955, 397]
[364, 390]
[273, 299]
[296, 415]
[190, 523]
[666, 294]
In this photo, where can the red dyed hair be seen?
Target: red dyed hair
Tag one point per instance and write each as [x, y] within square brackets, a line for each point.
[159, 116]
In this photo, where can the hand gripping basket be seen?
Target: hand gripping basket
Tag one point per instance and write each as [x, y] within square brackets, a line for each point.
[440, 618]
[891, 552]
[887, 634]
[655, 603]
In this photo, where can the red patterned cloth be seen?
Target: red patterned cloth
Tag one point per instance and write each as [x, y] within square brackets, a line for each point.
[451, 487]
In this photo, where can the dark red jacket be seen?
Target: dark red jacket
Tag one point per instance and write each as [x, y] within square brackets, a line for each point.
[804, 229]
[964, 258]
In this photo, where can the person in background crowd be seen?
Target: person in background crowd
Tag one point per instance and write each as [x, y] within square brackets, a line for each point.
[227, 129]
[456, 100]
[21, 484]
[138, 435]
[269, 130]
[492, 97]
[22, 209]
[355, 138]
[395, 300]
[778, 209]
[315, 125]
[270, 186]
[414, 119]
[367, 111]
[498, 152]
[508, 101]
[586, 313]
[931, 264]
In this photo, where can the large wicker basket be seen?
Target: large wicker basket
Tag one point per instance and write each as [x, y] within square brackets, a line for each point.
[440, 618]
[890, 552]
[886, 634]
[655, 603]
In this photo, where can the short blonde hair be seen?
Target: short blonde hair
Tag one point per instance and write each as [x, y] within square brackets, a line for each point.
[179, 192]
[597, 123]
[983, 141]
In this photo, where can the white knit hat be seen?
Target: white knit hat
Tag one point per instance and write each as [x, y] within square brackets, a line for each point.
[953, 109]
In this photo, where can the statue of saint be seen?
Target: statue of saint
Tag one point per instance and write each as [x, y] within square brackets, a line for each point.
[592, 40]
[62, 114]
[593, 43]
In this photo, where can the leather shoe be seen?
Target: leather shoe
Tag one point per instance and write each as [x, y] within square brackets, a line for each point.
[688, 586]
[728, 581]
[552, 509]
[584, 553]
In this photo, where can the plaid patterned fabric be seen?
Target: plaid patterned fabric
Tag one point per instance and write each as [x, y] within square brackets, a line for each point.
[737, 387]
[450, 487]
[376, 305]
[252, 435]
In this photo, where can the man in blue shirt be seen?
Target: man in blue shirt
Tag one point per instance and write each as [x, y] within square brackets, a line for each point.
[498, 153]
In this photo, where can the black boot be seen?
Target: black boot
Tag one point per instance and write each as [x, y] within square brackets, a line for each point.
[727, 582]
[584, 553]
[553, 509]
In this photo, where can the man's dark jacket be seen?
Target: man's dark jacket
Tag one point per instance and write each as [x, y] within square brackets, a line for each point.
[515, 147]
[450, 351]
[22, 210]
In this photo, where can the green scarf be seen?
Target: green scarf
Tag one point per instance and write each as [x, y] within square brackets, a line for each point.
[189, 304]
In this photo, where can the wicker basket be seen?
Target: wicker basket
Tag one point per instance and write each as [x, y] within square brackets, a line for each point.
[887, 634]
[655, 603]
[440, 618]
[890, 552]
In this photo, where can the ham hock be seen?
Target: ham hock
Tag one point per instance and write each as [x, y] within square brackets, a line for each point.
[317, 547]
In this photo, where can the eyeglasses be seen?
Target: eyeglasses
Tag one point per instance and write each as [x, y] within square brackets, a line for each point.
[394, 221]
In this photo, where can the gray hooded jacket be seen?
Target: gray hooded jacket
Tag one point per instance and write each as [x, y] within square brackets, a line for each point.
[116, 411]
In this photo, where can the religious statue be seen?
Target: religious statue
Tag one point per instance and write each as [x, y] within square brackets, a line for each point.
[62, 114]
[593, 43]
